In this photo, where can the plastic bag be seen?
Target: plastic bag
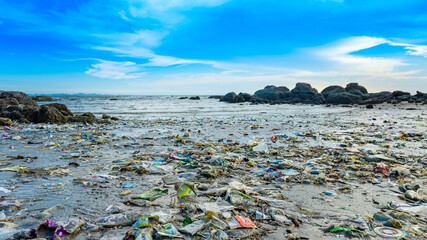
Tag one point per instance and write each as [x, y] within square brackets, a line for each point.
[151, 194]
[186, 192]
[169, 230]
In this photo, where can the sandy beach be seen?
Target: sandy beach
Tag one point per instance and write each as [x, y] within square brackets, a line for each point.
[296, 174]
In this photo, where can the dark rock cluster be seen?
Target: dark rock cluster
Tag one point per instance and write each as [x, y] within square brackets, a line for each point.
[353, 93]
[43, 98]
[20, 107]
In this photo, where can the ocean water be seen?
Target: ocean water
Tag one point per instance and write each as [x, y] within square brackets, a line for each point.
[152, 107]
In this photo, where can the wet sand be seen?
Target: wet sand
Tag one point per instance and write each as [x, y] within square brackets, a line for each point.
[317, 167]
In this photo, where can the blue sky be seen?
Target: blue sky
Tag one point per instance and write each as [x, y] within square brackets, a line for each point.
[210, 46]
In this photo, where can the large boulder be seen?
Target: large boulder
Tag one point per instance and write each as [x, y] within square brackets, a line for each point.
[5, 102]
[272, 93]
[421, 95]
[12, 114]
[377, 98]
[89, 115]
[49, 114]
[343, 98]
[333, 89]
[5, 121]
[215, 97]
[88, 118]
[255, 100]
[18, 112]
[304, 87]
[399, 93]
[18, 106]
[60, 107]
[243, 97]
[230, 97]
[20, 97]
[319, 99]
[30, 112]
[356, 92]
[303, 92]
[43, 98]
[403, 97]
[356, 86]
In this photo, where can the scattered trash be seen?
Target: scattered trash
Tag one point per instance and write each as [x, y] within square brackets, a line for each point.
[240, 222]
[388, 232]
[218, 177]
[151, 194]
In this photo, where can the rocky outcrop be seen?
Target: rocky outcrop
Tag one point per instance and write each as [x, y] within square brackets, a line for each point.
[400, 93]
[230, 97]
[60, 107]
[333, 89]
[272, 93]
[243, 97]
[21, 113]
[17, 97]
[420, 96]
[88, 118]
[4, 102]
[381, 97]
[356, 86]
[5, 121]
[343, 98]
[353, 93]
[18, 106]
[215, 97]
[43, 99]
[195, 98]
[319, 99]
[48, 114]
[303, 92]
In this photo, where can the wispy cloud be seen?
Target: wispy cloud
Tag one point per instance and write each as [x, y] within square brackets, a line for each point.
[153, 59]
[123, 16]
[344, 63]
[139, 43]
[413, 49]
[169, 12]
[140, 38]
[342, 52]
[115, 70]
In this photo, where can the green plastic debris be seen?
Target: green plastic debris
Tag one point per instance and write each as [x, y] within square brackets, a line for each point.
[337, 229]
[151, 194]
[245, 195]
[186, 221]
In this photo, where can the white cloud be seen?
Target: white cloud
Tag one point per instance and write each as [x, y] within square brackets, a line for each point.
[341, 52]
[352, 44]
[154, 60]
[115, 70]
[123, 16]
[413, 49]
[138, 44]
[135, 52]
[167, 11]
[141, 38]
